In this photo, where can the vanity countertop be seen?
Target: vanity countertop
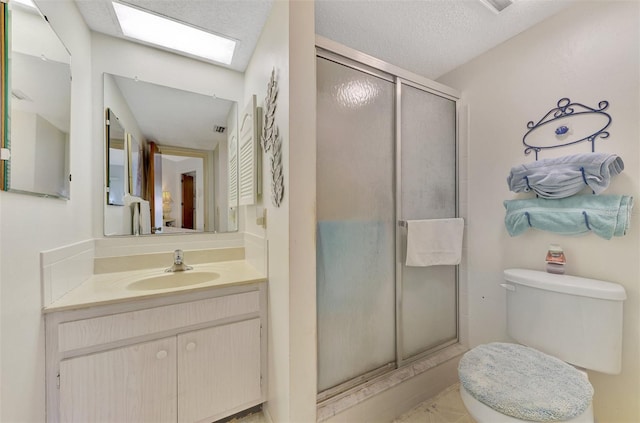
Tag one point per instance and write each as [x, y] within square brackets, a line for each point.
[110, 288]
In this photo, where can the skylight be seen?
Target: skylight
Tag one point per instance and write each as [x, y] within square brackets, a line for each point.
[163, 32]
[28, 3]
[497, 6]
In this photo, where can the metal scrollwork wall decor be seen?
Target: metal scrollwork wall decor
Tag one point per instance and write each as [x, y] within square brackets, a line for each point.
[575, 123]
[272, 142]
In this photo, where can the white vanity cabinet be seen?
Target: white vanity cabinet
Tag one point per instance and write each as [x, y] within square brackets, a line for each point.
[218, 369]
[129, 384]
[192, 357]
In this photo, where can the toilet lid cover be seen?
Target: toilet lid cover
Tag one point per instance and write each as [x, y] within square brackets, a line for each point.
[524, 383]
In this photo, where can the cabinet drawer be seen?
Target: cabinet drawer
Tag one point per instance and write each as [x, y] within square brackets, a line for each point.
[101, 330]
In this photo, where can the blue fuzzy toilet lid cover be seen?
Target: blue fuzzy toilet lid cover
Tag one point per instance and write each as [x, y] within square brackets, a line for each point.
[524, 383]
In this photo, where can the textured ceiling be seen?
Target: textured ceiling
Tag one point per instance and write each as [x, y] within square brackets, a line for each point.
[241, 20]
[427, 37]
[174, 117]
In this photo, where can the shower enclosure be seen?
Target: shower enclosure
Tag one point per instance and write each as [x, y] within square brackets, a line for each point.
[386, 153]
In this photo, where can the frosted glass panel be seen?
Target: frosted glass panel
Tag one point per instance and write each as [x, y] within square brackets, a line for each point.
[428, 169]
[355, 233]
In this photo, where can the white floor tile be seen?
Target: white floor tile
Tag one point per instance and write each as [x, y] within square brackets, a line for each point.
[446, 407]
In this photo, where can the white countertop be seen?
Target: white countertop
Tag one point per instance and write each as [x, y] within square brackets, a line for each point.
[109, 288]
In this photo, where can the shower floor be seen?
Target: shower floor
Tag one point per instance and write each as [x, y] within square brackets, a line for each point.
[446, 407]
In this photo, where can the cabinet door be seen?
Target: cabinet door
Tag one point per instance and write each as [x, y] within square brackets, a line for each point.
[130, 384]
[218, 371]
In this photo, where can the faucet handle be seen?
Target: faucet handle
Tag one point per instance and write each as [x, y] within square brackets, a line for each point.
[178, 257]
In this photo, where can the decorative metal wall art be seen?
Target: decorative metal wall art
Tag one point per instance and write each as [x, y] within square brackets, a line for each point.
[575, 123]
[272, 142]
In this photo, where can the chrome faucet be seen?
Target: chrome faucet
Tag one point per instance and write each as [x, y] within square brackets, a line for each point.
[178, 263]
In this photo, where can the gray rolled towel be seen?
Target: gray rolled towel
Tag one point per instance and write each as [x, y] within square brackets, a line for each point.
[565, 176]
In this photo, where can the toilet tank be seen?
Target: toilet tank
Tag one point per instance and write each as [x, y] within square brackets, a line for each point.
[575, 319]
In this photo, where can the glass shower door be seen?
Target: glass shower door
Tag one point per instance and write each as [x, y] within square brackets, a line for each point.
[356, 223]
[427, 318]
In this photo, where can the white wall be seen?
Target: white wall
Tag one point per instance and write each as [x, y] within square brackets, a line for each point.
[272, 52]
[117, 219]
[287, 44]
[23, 128]
[39, 151]
[302, 215]
[220, 212]
[171, 183]
[588, 53]
[49, 158]
[30, 225]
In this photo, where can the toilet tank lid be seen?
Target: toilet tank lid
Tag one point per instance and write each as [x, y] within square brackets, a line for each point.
[567, 284]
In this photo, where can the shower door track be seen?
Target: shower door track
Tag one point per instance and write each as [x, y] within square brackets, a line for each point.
[328, 394]
[340, 54]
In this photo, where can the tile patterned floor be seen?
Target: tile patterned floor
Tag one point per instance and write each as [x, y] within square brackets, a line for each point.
[251, 418]
[446, 407]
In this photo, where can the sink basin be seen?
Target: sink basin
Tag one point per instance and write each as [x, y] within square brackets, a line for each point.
[172, 280]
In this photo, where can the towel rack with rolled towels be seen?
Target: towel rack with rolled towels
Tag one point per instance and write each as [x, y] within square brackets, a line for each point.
[557, 181]
[566, 117]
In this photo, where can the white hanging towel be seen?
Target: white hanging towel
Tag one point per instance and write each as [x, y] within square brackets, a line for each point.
[434, 242]
[145, 217]
[136, 218]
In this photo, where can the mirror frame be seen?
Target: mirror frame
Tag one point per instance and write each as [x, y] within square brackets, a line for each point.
[4, 101]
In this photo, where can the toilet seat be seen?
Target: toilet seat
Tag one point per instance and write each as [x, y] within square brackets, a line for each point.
[523, 383]
[484, 414]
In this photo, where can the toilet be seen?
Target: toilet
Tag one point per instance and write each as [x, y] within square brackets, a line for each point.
[563, 324]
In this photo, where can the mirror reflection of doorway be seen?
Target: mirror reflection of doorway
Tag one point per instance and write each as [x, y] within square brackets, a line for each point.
[188, 197]
[175, 165]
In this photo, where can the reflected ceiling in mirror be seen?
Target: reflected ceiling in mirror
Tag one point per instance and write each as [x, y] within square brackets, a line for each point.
[177, 151]
[40, 106]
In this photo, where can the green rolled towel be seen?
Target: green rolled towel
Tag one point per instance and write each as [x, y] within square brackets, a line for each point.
[605, 215]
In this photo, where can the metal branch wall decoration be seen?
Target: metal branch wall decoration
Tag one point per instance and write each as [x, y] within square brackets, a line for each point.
[271, 141]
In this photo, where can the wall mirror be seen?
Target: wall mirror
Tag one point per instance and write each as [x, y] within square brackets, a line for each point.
[170, 163]
[39, 106]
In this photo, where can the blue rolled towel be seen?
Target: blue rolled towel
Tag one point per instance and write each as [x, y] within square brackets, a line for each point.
[605, 215]
[562, 177]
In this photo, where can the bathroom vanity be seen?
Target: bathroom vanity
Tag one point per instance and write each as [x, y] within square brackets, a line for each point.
[120, 354]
